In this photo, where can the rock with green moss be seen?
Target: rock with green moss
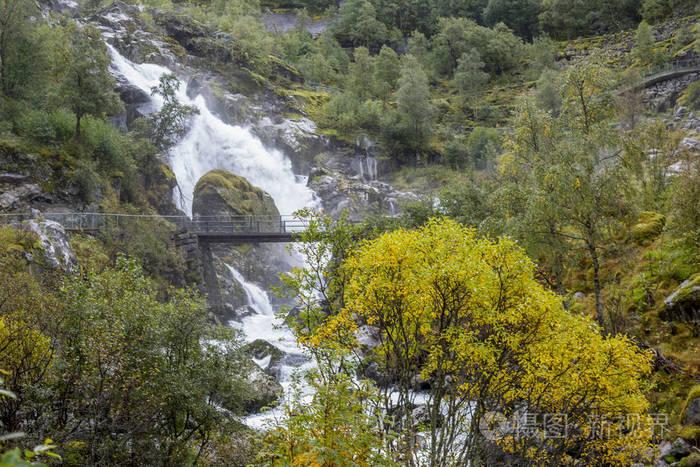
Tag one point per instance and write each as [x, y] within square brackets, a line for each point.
[671, 453]
[265, 355]
[648, 227]
[684, 303]
[691, 410]
[195, 37]
[221, 193]
[692, 460]
[690, 434]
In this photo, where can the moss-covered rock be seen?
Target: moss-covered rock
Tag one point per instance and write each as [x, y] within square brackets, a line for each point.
[692, 460]
[160, 181]
[690, 434]
[195, 37]
[221, 193]
[684, 303]
[266, 355]
[648, 227]
[691, 409]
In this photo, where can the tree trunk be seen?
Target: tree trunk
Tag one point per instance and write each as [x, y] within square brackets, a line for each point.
[3, 64]
[596, 284]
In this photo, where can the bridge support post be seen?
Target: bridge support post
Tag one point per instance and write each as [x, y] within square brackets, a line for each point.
[188, 243]
[211, 281]
[200, 268]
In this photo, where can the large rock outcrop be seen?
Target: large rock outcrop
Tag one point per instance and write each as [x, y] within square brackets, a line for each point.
[56, 248]
[221, 193]
[684, 303]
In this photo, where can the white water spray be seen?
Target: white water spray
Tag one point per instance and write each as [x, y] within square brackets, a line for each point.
[212, 144]
[266, 326]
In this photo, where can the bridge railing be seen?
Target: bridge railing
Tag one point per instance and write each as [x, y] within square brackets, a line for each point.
[89, 221]
[201, 225]
[245, 224]
[671, 66]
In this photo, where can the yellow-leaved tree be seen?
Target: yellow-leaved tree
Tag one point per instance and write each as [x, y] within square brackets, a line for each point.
[462, 318]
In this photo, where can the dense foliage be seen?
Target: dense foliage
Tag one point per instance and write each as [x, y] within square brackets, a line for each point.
[464, 317]
[534, 149]
[111, 373]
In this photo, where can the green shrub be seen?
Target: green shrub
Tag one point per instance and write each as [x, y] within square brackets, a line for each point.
[691, 96]
[654, 10]
[483, 144]
[87, 181]
[36, 124]
[46, 127]
[649, 226]
[370, 114]
[106, 146]
[456, 153]
[63, 123]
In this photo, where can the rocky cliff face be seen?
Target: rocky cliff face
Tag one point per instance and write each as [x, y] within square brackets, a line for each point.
[268, 107]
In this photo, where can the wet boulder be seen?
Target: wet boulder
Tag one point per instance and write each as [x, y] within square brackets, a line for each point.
[264, 390]
[221, 193]
[265, 355]
[684, 303]
[56, 248]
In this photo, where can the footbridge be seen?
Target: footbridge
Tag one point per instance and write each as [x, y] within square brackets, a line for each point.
[670, 70]
[207, 229]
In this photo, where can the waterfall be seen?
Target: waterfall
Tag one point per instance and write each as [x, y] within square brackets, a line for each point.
[256, 297]
[372, 167]
[263, 324]
[212, 144]
[393, 211]
[266, 326]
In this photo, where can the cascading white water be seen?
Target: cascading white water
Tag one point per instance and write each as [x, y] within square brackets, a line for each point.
[212, 144]
[265, 325]
[372, 167]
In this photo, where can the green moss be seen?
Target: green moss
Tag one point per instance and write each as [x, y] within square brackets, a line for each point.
[307, 101]
[649, 226]
[693, 394]
[90, 252]
[684, 294]
[692, 460]
[219, 192]
[18, 241]
[690, 434]
[243, 249]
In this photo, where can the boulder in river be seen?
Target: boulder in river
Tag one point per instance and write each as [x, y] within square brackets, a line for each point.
[221, 193]
[264, 354]
[264, 390]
